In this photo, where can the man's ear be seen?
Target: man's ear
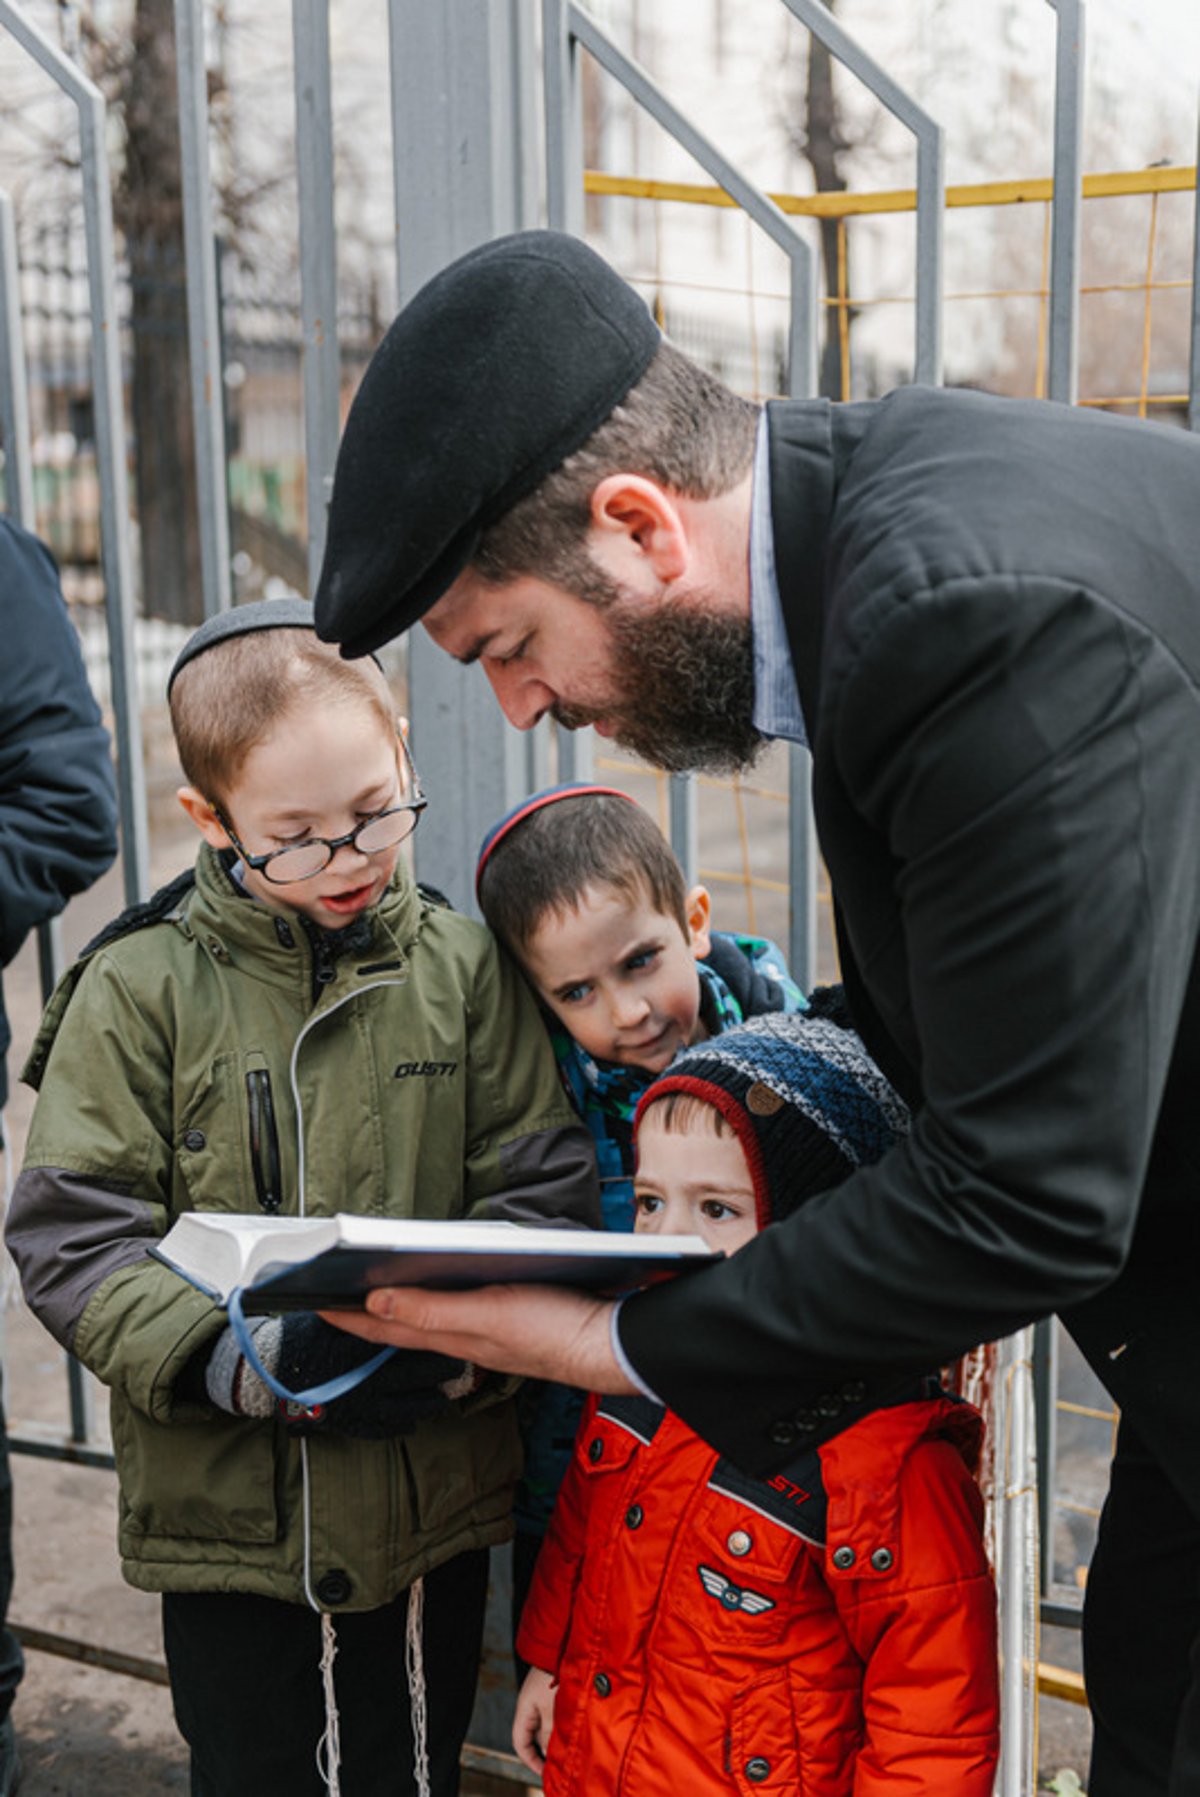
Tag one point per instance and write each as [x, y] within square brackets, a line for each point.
[204, 817]
[636, 519]
[698, 906]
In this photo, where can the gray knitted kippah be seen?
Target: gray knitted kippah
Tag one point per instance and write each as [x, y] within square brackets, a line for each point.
[803, 1096]
[246, 620]
[242, 620]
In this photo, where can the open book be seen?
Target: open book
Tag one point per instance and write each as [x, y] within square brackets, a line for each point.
[331, 1263]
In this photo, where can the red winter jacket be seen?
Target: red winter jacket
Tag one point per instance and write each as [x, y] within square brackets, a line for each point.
[829, 1630]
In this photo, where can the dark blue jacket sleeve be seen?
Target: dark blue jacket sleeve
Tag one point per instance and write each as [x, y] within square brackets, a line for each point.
[58, 815]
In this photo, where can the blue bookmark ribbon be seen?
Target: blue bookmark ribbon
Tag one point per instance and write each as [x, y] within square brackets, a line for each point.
[315, 1394]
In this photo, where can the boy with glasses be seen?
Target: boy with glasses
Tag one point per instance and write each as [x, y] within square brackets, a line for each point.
[295, 1027]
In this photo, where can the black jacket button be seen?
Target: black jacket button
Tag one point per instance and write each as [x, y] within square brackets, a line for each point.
[843, 1557]
[882, 1559]
[595, 1449]
[782, 1434]
[829, 1404]
[854, 1391]
[334, 1587]
[283, 931]
[602, 1684]
[757, 1769]
[195, 1139]
[634, 1516]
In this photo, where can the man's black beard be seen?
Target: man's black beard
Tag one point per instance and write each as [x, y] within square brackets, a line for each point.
[686, 687]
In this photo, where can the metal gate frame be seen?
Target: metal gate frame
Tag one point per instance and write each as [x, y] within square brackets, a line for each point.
[440, 212]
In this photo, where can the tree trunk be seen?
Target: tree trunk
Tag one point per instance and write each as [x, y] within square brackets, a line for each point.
[822, 146]
[151, 203]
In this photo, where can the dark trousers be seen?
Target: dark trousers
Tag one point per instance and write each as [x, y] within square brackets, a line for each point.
[249, 1702]
[12, 1660]
[1141, 1634]
[526, 1548]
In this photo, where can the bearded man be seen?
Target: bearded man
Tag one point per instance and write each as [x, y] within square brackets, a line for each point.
[983, 616]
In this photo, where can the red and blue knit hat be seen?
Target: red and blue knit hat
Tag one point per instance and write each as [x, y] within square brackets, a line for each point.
[805, 1100]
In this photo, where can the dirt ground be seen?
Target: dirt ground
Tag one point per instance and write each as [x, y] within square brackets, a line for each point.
[84, 1730]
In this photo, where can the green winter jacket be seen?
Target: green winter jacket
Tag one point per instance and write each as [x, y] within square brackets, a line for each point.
[220, 1059]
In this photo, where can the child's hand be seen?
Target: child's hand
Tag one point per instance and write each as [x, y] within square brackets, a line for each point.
[533, 1722]
[302, 1351]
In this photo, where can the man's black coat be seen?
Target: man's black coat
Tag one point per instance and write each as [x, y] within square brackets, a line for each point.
[994, 613]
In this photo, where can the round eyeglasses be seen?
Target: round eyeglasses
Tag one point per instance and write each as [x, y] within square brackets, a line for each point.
[302, 860]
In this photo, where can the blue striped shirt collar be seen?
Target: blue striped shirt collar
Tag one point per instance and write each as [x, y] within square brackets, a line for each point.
[776, 700]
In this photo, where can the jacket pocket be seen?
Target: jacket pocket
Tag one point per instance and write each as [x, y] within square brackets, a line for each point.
[211, 1165]
[203, 1481]
[742, 1585]
[462, 1470]
[604, 1455]
[762, 1752]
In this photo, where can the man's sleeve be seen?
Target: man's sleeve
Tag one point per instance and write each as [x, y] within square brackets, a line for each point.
[1029, 758]
[57, 797]
[529, 1158]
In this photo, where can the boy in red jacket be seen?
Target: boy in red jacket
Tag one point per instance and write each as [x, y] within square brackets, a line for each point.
[830, 1629]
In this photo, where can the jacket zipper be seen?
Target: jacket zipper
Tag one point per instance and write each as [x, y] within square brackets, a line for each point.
[301, 1209]
[311, 1023]
[264, 1140]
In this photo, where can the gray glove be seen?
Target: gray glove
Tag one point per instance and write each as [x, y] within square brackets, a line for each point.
[303, 1351]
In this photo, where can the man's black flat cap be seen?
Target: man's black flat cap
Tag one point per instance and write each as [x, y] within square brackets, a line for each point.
[497, 370]
[259, 614]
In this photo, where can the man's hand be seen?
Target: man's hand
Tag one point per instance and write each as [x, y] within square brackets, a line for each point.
[541, 1332]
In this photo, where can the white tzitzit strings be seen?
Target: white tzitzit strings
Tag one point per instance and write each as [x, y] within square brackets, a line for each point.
[414, 1664]
[329, 1747]
[10, 1284]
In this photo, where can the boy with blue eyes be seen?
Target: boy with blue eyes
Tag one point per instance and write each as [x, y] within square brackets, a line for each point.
[829, 1628]
[295, 1027]
[584, 891]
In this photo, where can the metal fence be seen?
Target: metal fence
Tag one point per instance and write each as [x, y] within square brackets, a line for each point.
[757, 322]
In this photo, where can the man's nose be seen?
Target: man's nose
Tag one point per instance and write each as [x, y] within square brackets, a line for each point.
[524, 699]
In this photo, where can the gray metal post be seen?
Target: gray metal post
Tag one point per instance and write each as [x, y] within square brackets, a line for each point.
[752, 200]
[461, 116]
[14, 390]
[204, 315]
[110, 437]
[563, 100]
[318, 265]
[1063, 372]
[1045, 1395]
[576, 751]
[1193, 411]
[802, 344]
[803, 860]
[931, 176]
[564, 120]
[684, 830]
